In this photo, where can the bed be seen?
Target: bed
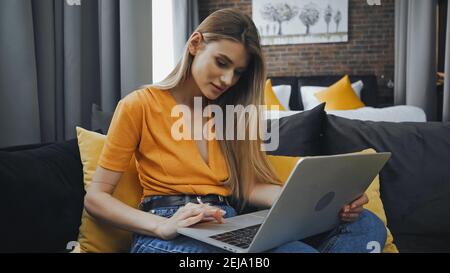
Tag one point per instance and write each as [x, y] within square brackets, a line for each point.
[368, 94]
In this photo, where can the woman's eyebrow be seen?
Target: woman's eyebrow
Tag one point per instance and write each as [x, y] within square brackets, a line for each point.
[229, 60]
[226, 58]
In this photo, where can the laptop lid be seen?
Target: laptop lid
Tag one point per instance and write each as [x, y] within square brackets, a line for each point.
[313, 195]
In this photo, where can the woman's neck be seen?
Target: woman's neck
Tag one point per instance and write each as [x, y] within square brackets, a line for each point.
[185, 92]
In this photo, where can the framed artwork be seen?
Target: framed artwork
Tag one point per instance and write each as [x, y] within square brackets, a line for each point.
[301, 21]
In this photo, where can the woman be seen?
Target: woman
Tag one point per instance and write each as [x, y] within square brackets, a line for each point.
[188, 181]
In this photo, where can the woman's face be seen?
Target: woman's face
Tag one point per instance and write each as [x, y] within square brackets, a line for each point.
[217, 66]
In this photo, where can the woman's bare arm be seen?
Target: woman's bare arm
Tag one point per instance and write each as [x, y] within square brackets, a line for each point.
[100, 203]
[264, 195]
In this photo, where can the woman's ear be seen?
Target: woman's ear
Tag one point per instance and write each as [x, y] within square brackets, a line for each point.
[195, 43]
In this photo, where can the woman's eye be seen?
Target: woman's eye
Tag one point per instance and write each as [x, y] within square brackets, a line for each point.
[221, 63]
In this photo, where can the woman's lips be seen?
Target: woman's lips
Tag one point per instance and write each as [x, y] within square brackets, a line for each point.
[218, 88]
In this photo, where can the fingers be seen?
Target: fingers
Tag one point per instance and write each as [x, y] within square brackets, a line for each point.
[350, 213]
[347, 209]
[203, 216]
[361, 201]
[191, 220]
[214, 214]
[357, 205]
[201, 205]
[209, 213]
[356, 210]
[349, 217]
[218, 214]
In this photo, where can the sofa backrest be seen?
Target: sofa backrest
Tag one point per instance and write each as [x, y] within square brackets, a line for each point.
[42, 188]
[23, 147]
[414, 184]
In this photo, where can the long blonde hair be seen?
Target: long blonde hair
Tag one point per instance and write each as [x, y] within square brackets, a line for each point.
[246, 161]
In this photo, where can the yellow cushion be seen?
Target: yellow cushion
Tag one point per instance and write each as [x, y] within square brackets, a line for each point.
[94, 235]
[340, 96]
[283, 166]
[270, 98]
[375, 205]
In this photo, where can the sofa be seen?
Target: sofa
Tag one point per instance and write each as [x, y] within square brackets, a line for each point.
[415, 182]
[42, 184]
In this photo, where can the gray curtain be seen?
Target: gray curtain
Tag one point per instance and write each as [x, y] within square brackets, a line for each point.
[185, 21]
[446, 98]
[415, 55]
[59, 57]
[19, 107]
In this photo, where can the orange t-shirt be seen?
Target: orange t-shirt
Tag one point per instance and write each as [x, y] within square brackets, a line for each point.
[142, 125]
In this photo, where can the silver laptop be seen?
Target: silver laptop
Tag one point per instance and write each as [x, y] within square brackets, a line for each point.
[309, 204]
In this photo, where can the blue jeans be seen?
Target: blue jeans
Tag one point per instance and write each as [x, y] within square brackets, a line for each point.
[347, 237]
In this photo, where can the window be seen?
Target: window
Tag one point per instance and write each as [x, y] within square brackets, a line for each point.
[162, 41]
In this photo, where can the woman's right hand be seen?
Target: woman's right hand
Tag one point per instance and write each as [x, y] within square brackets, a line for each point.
[188, 215]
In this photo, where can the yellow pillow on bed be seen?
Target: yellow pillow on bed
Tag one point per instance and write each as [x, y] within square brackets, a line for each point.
[340, 96]
[270, 98]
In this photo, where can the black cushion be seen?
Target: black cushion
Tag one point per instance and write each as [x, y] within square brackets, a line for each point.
[415, 183]
[41, 198]
[300, 134]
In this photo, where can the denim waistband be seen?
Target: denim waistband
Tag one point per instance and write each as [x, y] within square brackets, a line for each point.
[154, 202]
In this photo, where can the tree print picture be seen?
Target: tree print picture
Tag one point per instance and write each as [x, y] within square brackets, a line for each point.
[301, 21]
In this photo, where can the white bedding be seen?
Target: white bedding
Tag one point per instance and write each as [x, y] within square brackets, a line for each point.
[398, 113]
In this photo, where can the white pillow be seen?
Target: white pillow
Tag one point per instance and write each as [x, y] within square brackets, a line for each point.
[283, 93]
[357, 87]
[310, 101]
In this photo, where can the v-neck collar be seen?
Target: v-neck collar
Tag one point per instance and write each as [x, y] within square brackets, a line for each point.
[208, 164]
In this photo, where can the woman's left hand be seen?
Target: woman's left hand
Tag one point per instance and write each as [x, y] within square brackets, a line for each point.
[350, 212]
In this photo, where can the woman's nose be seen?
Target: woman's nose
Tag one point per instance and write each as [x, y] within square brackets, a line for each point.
[227, 78]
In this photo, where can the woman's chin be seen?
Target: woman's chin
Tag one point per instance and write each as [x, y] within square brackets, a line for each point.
[211, 95]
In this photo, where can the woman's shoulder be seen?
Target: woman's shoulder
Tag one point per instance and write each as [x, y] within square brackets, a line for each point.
[145, 97]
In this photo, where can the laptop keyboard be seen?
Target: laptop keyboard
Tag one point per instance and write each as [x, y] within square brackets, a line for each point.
[240, 237]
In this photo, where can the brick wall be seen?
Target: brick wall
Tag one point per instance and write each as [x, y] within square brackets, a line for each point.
[369, 50]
